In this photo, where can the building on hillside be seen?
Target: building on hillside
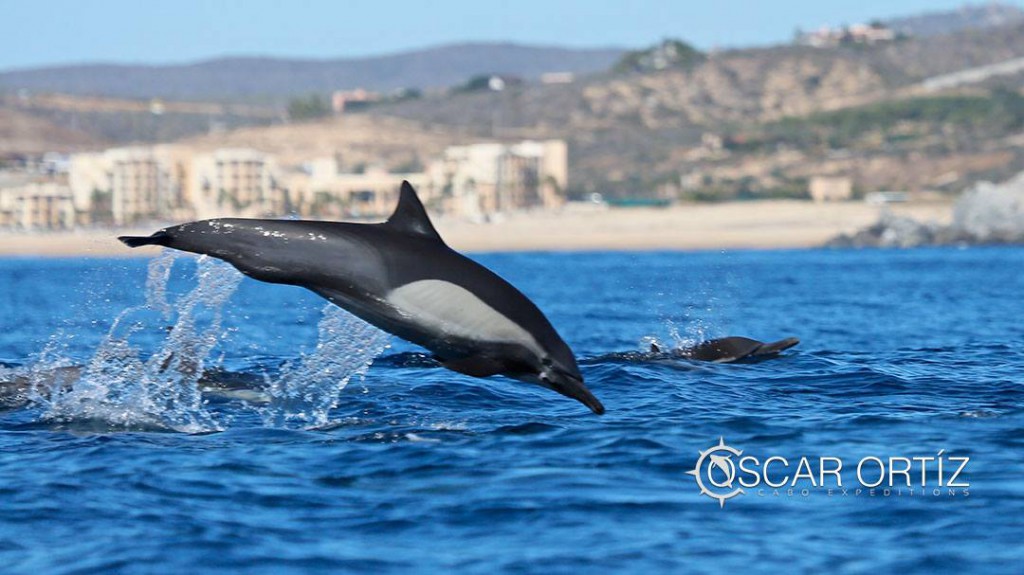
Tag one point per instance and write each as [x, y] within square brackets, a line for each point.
[478, 180]
[37, 206]
[126, 186]
[826, 37]
[343, 100]
[830, 188]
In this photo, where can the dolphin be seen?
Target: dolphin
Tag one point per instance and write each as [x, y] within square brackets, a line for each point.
[730, 349]
[400, 276]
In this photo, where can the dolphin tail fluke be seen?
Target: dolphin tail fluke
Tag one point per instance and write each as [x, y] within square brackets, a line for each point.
[160, 238]
[777, 346]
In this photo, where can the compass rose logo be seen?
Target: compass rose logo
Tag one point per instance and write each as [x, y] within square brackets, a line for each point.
[715, 472]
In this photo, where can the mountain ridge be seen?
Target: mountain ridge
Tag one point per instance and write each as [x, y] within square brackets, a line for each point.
[275, 78]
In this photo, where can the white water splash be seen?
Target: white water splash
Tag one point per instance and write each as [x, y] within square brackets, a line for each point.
[307, 390]
[119, 388]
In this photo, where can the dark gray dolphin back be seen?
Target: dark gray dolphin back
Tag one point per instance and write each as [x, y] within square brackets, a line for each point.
[727, 349]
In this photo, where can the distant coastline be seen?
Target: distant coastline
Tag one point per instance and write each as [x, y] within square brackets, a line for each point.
[768, 224]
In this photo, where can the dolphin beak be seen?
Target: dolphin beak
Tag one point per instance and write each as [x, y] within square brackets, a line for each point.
[572, 386]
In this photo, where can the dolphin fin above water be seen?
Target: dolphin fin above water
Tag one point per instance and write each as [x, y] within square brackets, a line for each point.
[400, 276]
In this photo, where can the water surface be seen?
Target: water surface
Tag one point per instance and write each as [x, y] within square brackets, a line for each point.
[356, 456]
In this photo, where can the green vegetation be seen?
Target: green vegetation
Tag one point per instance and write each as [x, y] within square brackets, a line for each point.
[323, 201]
[223, 197]
[409, 166]
[748, 188]
[890, 123]
[482, 83]
[479, 83]
[102, 206]
[308, 107]
[672, 53]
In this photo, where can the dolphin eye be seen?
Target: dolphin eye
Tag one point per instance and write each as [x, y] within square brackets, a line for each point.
[546, 362]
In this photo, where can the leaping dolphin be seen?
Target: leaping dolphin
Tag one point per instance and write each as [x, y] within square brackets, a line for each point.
[401, 277]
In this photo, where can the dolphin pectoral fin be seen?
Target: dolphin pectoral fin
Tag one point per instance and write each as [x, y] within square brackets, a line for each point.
[474, 365]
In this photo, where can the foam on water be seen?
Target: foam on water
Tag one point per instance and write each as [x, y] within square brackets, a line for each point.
[118, 386]
[307, 390]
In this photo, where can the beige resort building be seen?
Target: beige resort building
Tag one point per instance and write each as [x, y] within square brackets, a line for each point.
[37, 206]
[478, 180]
[132, 185]
[122, 186]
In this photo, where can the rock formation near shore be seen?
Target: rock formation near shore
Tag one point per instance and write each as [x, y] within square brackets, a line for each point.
[987, 214]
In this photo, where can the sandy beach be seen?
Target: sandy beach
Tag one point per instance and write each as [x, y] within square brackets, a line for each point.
[739, 225]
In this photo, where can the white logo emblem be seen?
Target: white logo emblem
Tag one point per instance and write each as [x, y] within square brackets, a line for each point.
[715, 472]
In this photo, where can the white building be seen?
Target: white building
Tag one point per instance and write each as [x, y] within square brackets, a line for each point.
[123, 186]
[37, 206]
[234, 182]
[322, 190]
[480, 179]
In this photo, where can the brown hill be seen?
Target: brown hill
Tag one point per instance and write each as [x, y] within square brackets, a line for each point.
[631, 133]
[22, 133]
[356, 140]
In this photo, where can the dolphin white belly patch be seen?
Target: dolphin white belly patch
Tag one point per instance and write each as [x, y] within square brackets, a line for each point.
[454, 310]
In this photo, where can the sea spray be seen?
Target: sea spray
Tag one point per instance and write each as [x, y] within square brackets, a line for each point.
[119, 388]
[305, 391]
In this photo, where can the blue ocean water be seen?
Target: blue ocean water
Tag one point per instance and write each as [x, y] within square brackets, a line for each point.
[122, 466]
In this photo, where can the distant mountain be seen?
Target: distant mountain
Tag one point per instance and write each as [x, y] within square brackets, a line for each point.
[253, 78]
[965, 18]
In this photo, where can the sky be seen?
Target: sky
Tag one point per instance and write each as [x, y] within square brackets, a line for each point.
[34, 33]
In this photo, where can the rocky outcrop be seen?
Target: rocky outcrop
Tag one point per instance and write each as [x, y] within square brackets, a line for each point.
[992, 214]
[892, 231]
[986, 214]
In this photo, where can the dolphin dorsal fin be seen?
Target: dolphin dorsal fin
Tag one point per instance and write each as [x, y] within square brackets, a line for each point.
[410, 217]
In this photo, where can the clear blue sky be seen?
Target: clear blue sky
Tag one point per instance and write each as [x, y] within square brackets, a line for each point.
[34, 33]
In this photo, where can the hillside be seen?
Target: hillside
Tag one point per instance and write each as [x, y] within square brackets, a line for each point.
[22, 133]
[989, 15]
[357, 141]
[634, 132]
[756, 122]
[276, 79]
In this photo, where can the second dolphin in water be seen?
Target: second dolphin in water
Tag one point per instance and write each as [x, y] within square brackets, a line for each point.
[731, 349]
[401, 277]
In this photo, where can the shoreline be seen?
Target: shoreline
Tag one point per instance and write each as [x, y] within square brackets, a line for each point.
[764, 224]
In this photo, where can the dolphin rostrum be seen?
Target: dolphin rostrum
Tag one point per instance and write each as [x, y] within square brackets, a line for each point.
[401, 277]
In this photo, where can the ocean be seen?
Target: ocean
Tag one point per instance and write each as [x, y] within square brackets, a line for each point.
[321, 445]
